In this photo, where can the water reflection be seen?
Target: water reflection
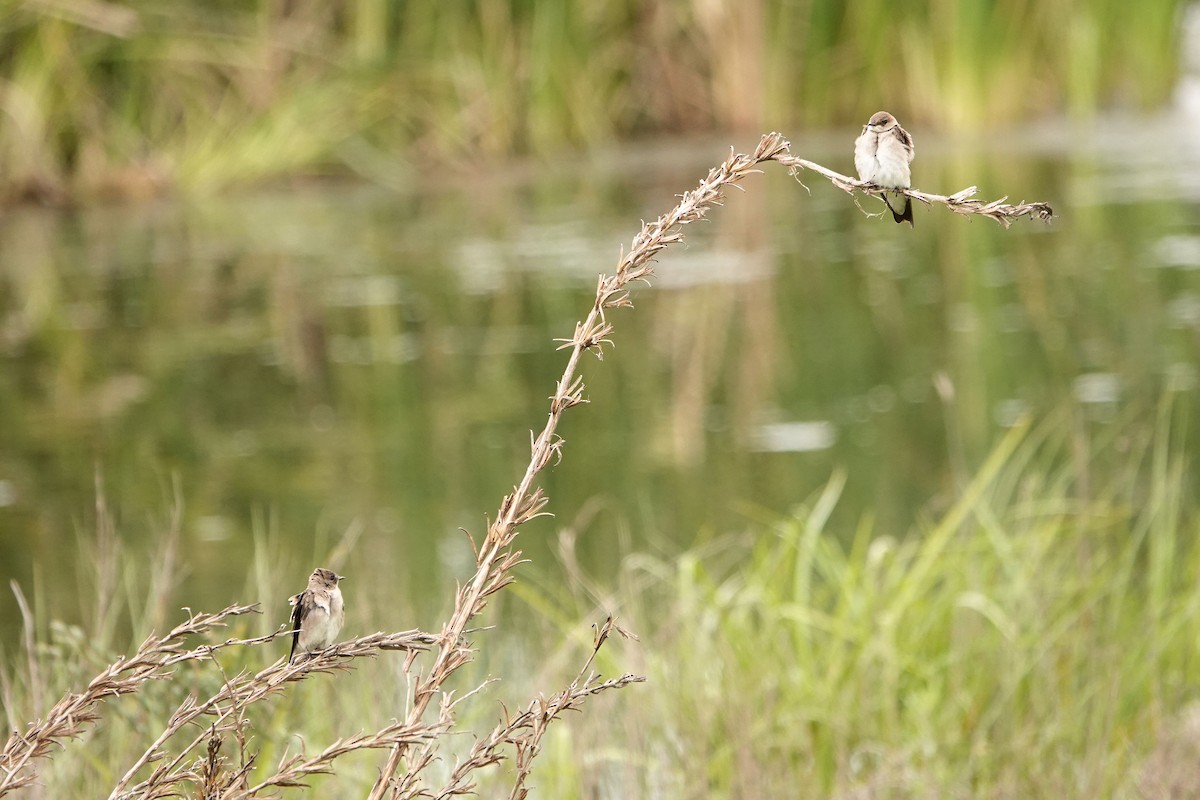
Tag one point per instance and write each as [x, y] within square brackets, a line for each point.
[794, 437]
[329, 359]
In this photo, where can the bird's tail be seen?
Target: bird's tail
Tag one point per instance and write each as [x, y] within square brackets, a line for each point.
[905, 214]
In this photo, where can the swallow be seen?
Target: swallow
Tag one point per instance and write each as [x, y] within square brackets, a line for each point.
[882, 154]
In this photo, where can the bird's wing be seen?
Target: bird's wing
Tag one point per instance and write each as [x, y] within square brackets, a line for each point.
[297, 602]
[320, 600]
[907, 141]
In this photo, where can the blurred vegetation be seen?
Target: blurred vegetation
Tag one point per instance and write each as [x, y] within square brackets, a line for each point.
[131, 99]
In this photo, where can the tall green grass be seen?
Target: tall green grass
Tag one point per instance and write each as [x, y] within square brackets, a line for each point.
[1037, 639]
[100, 98]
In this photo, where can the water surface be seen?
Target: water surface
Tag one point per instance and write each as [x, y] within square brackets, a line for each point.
[351, 372]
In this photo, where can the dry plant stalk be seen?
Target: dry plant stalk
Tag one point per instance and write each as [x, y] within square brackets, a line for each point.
[524, 732]
[76, 711]
[228, 705]
[496, 557]
[155, 659]
[296, 768]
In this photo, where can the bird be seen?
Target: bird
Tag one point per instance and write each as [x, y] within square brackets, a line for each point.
[882, 153]
[317, 612]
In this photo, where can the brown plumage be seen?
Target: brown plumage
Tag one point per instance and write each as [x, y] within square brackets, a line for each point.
[317, 613]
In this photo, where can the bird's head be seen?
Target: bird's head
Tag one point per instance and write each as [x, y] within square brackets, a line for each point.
[324, 578]
[881, 121]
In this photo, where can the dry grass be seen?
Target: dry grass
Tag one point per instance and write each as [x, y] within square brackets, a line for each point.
[71, 715]
[167, 766]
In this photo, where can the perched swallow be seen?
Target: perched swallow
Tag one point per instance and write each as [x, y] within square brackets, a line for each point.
[882, 154]
[317, 613]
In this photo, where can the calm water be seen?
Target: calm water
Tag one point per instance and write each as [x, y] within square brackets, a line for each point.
[356, 369]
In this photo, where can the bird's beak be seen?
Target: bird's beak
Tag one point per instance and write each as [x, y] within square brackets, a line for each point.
[339, 577]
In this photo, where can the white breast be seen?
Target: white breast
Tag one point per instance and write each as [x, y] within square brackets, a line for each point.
[323, 624]
[882, 160]
[864, 155]
[892, 160]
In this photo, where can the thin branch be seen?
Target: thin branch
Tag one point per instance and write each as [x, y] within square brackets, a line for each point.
[960, 202]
